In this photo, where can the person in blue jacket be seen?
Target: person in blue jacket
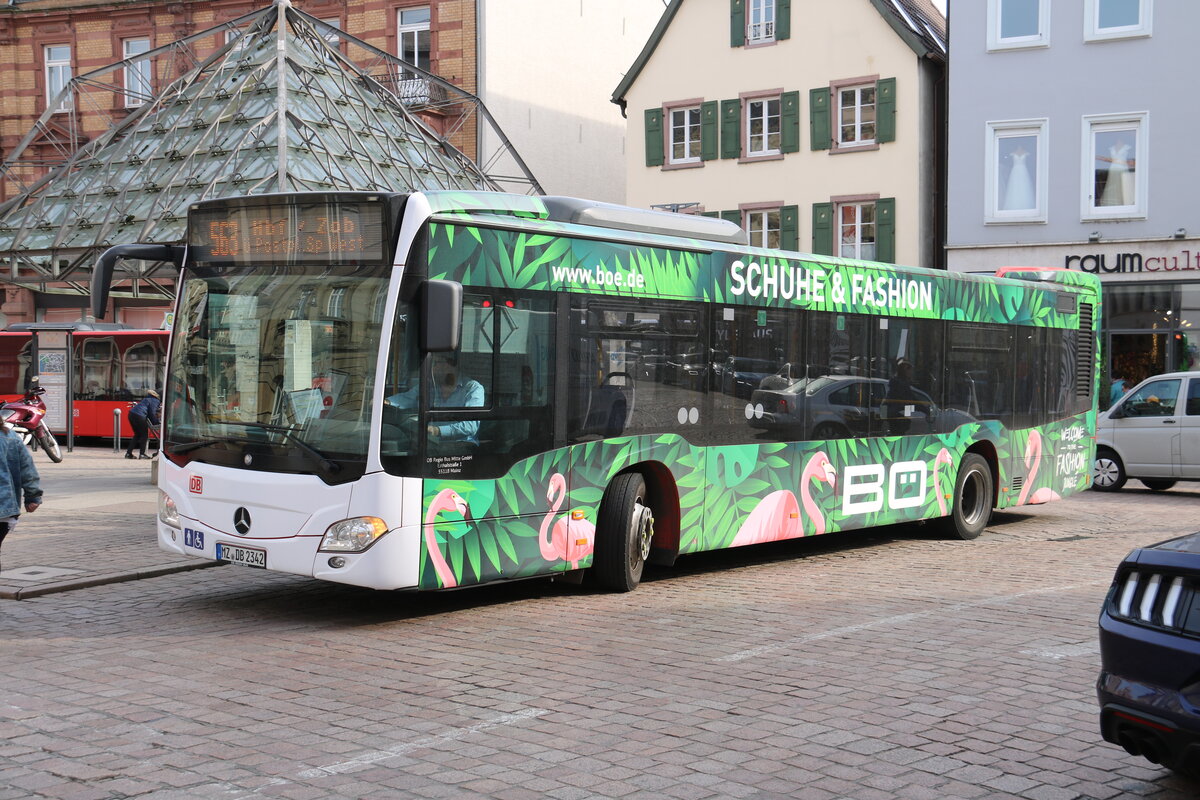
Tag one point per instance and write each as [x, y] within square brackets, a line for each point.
[143, 414]
[18, 476]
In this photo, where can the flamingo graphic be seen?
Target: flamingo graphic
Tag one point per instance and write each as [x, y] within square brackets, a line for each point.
[445, 500]
[570, 540]
[943, 457]
[777, 516]
[1033, 455]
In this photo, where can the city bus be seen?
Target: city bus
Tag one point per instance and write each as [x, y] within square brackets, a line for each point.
[444, 389]
[114, 365]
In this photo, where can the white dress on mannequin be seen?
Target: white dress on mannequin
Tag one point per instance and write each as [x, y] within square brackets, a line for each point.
[1018, 194]
[1118, 187]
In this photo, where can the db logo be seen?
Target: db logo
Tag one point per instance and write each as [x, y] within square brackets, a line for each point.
[196, 484]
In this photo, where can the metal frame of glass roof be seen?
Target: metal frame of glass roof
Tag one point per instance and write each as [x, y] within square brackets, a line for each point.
[276, 108]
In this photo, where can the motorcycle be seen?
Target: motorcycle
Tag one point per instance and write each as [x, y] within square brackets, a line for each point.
[26, 418]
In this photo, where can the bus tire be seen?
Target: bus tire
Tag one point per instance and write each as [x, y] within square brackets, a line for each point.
[973, 495]
[1108, 472]
[50, 445]
[626, 526]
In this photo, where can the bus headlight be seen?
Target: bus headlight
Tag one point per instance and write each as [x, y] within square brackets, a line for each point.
[352, 535]
[168, 514]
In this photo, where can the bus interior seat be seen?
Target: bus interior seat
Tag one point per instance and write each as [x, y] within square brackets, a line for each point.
[611, 405]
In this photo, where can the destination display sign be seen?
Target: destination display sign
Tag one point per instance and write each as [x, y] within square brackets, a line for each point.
[329, 232]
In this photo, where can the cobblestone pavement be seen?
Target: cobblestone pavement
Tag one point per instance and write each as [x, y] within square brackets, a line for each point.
[96, 526]
[874, 665]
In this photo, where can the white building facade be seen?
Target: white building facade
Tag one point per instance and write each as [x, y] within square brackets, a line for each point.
[814, 126]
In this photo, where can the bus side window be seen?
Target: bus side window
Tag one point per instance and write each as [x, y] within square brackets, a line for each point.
[978, 370]
[520, 379]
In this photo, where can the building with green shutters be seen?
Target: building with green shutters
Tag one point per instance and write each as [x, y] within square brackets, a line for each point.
[817, 127]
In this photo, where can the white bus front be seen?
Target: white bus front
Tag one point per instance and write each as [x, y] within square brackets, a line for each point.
[272, 386]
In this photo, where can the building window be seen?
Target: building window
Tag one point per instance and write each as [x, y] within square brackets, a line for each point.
[58, 74]
[413, 35]
[763, 227]
[138, 88]
[760, 22]
[1114, 171]
[856, 230]
[762, 126]
[239, 37]
[1116, 19]
[856, 116]
[1015, 184]
[337, 302]
[1015, 24]
[685, 135]
[330, 34]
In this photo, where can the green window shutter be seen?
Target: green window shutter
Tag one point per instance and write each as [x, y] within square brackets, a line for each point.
[731, 128]
[885, 99]
[789, 227]
[789, 139]
[885, 230]
[737, 23]
[733, 216]
[822, 230]
[783, 20]
[654, 137]
[708, 130]
[818, 118]
[710, 213]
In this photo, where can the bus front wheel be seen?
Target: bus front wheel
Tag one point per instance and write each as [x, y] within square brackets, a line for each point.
[972, 498]
[626, 526]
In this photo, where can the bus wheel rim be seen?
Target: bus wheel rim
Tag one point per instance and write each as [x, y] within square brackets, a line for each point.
[972, 498]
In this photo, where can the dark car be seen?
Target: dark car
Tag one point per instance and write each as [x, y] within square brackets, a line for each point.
[688, 369]
[1149, 685]
[740, 376]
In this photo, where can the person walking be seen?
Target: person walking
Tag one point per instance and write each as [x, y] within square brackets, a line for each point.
[141, 417]
[18, 476]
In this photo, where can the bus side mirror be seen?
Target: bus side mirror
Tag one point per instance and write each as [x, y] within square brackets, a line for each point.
[102, 272]
[441, 316]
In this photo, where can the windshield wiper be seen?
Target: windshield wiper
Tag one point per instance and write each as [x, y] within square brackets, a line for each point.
[189, 446]
[322, 459]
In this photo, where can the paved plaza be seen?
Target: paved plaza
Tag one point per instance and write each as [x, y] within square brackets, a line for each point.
[889, 664]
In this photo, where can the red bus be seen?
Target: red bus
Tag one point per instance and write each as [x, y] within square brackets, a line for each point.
[114, 366]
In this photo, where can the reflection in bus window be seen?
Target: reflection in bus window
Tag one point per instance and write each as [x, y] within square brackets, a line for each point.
[98, 364]
[140, 368]
[635, 367]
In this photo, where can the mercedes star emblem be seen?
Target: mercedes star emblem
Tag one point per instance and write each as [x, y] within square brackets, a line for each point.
[241, 520]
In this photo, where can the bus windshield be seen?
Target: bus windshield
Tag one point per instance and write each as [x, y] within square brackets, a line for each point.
[272, 368]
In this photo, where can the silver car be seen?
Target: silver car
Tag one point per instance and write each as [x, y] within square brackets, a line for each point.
[1151, 434]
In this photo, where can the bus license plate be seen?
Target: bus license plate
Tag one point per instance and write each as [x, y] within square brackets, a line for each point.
[246, 556]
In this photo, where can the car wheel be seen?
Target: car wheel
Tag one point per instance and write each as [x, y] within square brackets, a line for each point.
[1157, 484]
[623, 533]
[828, 430]
[973, 497]
[1108, 473]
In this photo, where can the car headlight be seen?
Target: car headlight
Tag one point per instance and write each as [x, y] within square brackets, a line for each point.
[352, 535]
[168, 514]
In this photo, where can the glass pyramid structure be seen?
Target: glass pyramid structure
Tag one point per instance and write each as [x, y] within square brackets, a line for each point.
[277, 107]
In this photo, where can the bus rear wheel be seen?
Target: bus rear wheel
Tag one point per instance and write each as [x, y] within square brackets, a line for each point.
[623, 535]
[972, 498]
